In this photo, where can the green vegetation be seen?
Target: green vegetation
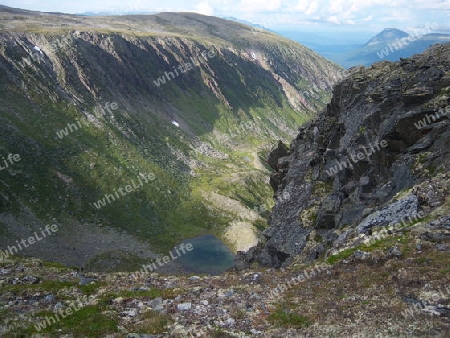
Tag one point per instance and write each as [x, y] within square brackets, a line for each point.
[89, 321]
[56, 265]
[385, 243]
[71, 174]
[220, 333]
[281, 317]
[260, 225]
[422, 260]
[322, 188]
[341, 255]
[90, 289]
[152, 322]
[50, 286]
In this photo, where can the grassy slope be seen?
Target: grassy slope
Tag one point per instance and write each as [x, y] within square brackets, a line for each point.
[138, 138]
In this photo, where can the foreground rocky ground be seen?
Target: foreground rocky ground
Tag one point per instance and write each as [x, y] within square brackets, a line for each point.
[394, 286]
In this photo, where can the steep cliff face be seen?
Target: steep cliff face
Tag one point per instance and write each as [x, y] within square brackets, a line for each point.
[378, 156]
[92, 105]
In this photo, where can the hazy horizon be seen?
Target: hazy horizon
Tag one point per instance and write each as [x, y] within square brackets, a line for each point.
[319, 16]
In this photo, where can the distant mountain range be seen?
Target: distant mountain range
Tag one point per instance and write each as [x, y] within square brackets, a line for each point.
[391, 44]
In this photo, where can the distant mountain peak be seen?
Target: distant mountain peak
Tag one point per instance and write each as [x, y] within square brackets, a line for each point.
[386, 36]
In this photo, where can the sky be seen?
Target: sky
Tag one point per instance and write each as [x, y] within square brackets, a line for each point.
[302, 15]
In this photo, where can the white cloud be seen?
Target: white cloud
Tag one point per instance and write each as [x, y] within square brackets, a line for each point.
[313, 7]
[204, 8]
[351, 8]
[308, 7]
[259, 5]
[334, 19]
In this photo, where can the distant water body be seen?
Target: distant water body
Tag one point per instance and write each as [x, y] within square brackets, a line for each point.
[209, 256]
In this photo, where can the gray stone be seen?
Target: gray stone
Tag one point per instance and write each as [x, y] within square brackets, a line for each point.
[230, 322]
[442, 247]
[394, 252]
[58, 306]
[435, 237]
[229, 293]
[49, 298]
[360, 255]
[364, 180]
[159, 308]
[155, 302]
[393, 213]
[85, 280]
[130, 312]
[184, 306]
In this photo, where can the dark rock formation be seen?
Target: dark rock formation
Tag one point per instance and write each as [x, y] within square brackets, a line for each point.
[274, 161]
[280, 151]
[385, 131]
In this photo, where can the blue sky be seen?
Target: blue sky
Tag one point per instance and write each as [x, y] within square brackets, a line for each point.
[306, 15]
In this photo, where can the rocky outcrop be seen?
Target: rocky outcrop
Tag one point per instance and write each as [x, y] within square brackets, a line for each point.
[384, 134]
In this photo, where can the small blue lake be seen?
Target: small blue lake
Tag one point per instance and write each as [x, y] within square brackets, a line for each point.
[209, 255]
